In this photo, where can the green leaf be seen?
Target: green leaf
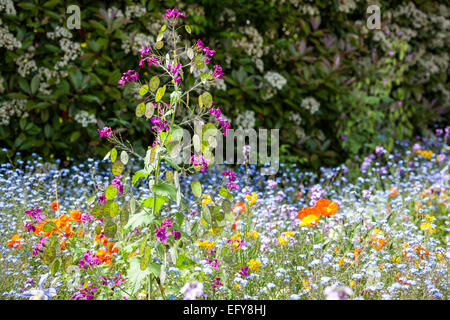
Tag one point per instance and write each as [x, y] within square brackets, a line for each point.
[110, 230]
[143, 90]
[165, 189]
[160, 201]
[140, 110]
[139, 174]
[206, 99]
[110, 192]
[117, 168]
[154, 83]
[149, 110]
[136, 277]
[111, 208]
[35, 84]
[49, 226]
[113, 154]
[55, 266]
[139, 219]
[188, 29]
[146, 258]
[206, 214]
[155, 268]
[160, 93]
[159, 45]
[196, 187]
[97, 211]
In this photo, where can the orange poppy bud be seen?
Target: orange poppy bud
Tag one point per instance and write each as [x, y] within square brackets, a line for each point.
[393, 191]
[54, 205]
[75, 215]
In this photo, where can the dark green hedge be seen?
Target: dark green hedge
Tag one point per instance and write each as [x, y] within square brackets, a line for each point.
[346, 88]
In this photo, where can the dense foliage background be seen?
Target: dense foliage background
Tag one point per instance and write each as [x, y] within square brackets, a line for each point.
[308, 67]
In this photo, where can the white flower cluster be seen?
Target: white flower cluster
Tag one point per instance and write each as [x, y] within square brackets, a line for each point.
[275, 79]
[45, 74]
[85, 118]
[12, 108]
[246, 120]
[133, 45]
[252, 42]
[296, 118]
[72, 50]
[25, 63]
[346, 6]
[227, 16]
[7, 39]
[303, 7]
[7, 6]
[268, 93]
[310, 104]
[60, 32]
[300, 134]
[135, 11]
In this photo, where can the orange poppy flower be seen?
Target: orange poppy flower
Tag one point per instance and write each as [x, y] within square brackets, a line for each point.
[310, 220]
[75, 215]
[357, 252]
[393, 191]
[239, 208]
[234, 224]
[327, 207]
[16, 242]
[63, 245]
[308, 211]
[54, 205]
[62, 221]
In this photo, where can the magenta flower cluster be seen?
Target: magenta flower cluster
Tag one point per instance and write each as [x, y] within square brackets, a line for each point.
[89, 259]
[222, 121]
[162, 233]
[36, 214]
[117, 183]
[176, 70]
[173, 14]
[105, 132]
[85, 293]
[38, 246]
[231, 185]
[200, 161]
[129, 76]
[209, 52]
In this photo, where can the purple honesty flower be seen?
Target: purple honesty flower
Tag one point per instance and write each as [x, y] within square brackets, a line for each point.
[85, 292]
[173, 13]
[129, 76]
[153, 60]
[200, 161]
[38, 246]
[244, 271]
[439, 132]
[217, 73]
[89, 259]
[161, 234]
[145, 50]
[105, 132]
[36, 214]
[167, 223]
[216, 284]
[117, 183]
